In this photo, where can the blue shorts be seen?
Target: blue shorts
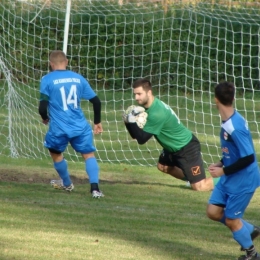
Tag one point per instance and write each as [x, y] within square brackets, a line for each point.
[234, 204]
[82, 143]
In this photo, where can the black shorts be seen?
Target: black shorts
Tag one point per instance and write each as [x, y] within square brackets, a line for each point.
[188, 159]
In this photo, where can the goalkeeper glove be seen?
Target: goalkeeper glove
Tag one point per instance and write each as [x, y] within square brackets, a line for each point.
[132, 111]
[124, 116]
[137, 110]
[131, 118]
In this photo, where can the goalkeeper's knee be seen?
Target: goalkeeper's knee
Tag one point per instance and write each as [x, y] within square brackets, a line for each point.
[163, 168]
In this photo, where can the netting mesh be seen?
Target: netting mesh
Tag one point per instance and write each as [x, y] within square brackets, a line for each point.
[184, 48]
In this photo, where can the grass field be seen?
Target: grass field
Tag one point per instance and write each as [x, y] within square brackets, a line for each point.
[145, 215]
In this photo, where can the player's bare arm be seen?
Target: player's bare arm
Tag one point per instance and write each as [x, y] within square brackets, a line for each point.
[218, 164]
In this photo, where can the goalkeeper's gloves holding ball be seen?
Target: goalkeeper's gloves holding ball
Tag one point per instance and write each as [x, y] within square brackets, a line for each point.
[137, 110]
[125, 117]
[131, 118]
[131, 112]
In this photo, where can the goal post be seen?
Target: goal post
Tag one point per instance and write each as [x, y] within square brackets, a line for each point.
[184, 47]
[66, 27]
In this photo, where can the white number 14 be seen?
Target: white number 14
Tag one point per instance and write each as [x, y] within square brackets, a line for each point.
[71, 99]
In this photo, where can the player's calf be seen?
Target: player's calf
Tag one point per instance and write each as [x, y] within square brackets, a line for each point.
[203, 185]
[172, 170]
[254, 234]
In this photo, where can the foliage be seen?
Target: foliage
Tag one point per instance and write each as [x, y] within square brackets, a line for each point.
[188, 46]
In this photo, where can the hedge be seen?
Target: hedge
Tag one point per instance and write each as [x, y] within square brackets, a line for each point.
[111, 44]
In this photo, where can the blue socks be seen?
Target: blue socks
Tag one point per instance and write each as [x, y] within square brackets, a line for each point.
[92, 170]
[249, 226]
[243, 237]
[62, 169]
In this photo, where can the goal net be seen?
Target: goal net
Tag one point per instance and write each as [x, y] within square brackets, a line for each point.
[184, 47]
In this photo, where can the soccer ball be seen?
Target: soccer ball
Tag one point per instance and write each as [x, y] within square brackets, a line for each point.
[141, 119]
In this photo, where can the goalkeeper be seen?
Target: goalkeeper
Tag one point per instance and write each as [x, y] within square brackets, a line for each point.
[60, 94]
[181, 155]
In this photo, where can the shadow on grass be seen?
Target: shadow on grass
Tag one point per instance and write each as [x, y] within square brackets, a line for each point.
[19, 176]
[164, 229]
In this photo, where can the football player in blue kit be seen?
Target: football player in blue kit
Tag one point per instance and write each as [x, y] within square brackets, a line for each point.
[239, 173]
[60, 93]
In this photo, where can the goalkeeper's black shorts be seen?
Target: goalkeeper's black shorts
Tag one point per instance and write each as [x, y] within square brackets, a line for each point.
[188, 159]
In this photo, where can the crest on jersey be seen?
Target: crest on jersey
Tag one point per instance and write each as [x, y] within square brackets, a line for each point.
[225, 150]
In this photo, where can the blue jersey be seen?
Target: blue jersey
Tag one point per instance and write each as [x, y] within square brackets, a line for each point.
[65, 89]
[236, 142]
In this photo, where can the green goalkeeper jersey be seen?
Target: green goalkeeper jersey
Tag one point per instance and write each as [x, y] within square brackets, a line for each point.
[166, 127]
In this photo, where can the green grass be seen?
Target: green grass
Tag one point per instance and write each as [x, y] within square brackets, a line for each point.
[145, 215]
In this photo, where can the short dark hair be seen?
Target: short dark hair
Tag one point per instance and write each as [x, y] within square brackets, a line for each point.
[225, 93]
[145, 83]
